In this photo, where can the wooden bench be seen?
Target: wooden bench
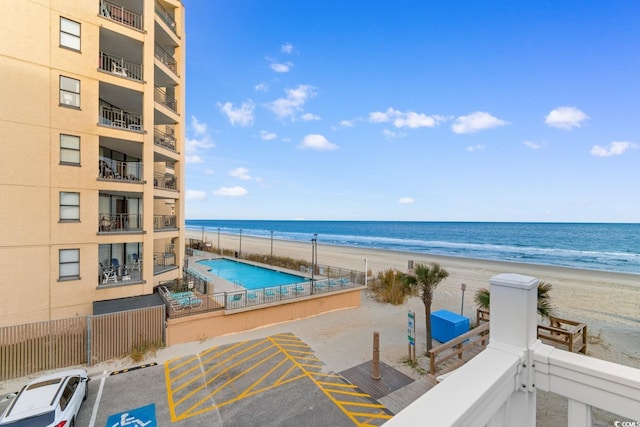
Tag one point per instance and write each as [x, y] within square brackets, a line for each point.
[565, 333]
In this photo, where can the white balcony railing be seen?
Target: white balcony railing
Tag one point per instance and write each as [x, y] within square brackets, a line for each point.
[498, 387]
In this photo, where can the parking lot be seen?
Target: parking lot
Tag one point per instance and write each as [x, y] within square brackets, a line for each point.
[272, 381]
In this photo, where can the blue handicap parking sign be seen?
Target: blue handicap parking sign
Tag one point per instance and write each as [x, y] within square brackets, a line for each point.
[144, 416]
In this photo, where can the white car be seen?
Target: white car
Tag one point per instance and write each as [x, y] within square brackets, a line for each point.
[49, 401]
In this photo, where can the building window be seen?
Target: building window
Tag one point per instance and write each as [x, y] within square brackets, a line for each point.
[69, 206]
[69, 264]
[69, 34]
[69, 92]
[69, 149]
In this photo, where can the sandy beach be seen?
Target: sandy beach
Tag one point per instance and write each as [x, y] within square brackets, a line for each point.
[607, 302]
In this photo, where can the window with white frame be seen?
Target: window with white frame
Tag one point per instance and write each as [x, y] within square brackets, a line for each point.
[69, 206]
[69, 149]
[69, 33]
[69, 264]
[69, 92]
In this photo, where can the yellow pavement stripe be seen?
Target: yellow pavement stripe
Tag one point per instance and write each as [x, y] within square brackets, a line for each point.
[203, 361]
[324, 374]
[286, 374]
[300, 351]
[215, 377]
[365, 405]
[223, 362]
[348, 393]
[381, 415]
[326, 383]
[269, 372]
[310, 376]
[172, 410]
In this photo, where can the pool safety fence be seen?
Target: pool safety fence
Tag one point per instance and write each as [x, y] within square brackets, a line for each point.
[183, 301]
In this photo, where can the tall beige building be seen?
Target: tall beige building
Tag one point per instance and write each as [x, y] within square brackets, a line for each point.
[92, 108]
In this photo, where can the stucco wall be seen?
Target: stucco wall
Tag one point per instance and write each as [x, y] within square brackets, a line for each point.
[212, 324]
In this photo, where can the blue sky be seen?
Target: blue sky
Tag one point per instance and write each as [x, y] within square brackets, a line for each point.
[413, 110]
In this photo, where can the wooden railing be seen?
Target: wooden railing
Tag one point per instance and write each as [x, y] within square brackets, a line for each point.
[565, 333]
[454, 349]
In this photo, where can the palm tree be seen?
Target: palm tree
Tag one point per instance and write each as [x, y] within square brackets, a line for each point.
[545, 309]
[427, 278]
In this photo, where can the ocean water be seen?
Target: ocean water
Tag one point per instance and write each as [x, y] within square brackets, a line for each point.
[604, 247]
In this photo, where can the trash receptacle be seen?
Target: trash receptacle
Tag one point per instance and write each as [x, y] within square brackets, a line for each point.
[410, 264]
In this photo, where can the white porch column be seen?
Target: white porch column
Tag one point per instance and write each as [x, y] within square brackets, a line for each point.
[513, 329]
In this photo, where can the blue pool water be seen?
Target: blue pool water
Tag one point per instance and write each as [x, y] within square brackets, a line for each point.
[250, 276]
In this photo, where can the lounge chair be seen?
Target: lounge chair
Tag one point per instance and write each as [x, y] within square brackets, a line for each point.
[252, 296]
[284, 291]
[298, 288]
[108, 274]
[270, 293]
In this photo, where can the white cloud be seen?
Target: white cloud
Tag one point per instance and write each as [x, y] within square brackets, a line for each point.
[317, 142]
[231, 191]
[267, 136]
[240, 173]
[406, 119]
[201, 141]
[287, 48]
[533, 145]
[209, 172]
[565, 118]
[347, 123]
[293, 102]
[195, 195]
[261, 87]
[476, 148]
[281, 68]
[616, 148]
[193, 158]
[198, 127]
[475, 122]
[392, 135]
[307, 117]
[406, 200]
[242, 116]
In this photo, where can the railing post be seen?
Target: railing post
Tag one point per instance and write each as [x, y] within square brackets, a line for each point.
[513, 329]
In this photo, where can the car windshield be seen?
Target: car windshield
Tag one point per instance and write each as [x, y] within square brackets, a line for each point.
[44, 383]
[37, 421]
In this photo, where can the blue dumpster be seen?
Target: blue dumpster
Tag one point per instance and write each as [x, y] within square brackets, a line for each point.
[446, 325]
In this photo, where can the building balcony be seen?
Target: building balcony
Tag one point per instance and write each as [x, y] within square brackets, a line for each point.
[164, 222]
[116, 271]
[165, 17]
[161, 96]
[164, 261]
[120, 119]
[166, 58]
[120, 66]
[119, 223]
[165, 182]
[115, 170]
[120, 14]
[166, 138]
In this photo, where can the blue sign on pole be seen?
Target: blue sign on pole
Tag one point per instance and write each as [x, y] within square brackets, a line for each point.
[411, 328]
[144, 416]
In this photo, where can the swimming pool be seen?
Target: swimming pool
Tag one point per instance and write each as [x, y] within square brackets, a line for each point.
[250, 276]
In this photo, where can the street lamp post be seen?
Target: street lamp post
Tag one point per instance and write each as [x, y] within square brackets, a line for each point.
[314, 255]
[240, 249]
[271, 247]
